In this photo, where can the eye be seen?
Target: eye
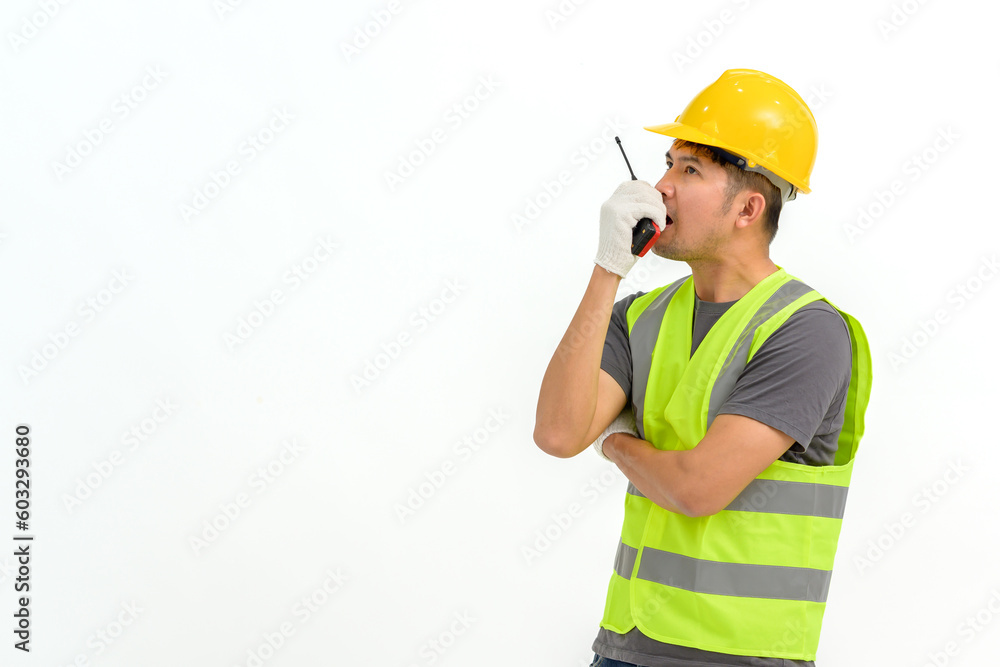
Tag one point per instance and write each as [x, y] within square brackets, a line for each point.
[693, 170]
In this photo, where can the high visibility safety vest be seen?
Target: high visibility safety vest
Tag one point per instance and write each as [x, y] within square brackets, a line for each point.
[753, 578]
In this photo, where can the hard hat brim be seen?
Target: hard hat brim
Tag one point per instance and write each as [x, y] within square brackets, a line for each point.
[686, 133]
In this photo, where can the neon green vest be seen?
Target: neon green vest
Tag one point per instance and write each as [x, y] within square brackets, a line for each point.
[753, 578]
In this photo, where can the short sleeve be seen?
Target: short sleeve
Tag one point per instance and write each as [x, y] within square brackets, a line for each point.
[797, 382]
[617, 356]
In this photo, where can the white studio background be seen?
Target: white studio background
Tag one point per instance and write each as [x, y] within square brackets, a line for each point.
[267, 280]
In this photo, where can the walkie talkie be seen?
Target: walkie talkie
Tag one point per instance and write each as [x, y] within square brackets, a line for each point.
[645, 232]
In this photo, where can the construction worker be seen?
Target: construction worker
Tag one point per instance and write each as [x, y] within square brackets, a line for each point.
[732, 399]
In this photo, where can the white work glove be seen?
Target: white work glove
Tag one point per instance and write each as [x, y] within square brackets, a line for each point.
[623, 423]
[630, 203]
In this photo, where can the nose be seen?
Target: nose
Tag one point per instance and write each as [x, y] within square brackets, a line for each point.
[666, 185]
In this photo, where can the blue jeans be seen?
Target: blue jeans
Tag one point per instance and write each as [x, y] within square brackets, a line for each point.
[608, 662]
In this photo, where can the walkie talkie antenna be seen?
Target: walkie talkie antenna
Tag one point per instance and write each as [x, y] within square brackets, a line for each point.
[645, 232]
[626, 159]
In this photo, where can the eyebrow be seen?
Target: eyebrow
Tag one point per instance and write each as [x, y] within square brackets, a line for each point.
[684, 158]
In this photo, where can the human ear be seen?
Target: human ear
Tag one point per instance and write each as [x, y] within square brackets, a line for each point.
[753, 209]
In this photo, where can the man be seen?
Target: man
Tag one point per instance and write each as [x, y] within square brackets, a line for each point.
[732, 399]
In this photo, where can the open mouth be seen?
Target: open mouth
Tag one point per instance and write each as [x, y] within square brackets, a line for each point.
[669, 221]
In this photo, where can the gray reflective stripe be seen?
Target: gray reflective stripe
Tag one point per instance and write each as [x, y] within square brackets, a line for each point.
[771, 496]
[641, 340]
[634, 491]
[783, 497]
[625, 560]
[737, 359]
[739, 579]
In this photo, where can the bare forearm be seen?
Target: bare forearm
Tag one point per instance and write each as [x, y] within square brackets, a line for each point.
[660, 475]
[568, 395]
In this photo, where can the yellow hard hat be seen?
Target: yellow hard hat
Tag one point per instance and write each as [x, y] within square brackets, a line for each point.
[754, 116]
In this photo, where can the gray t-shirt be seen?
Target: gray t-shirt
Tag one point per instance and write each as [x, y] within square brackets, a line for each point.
[797, 383]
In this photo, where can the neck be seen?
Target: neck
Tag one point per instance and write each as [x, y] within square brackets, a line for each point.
[729, 279]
